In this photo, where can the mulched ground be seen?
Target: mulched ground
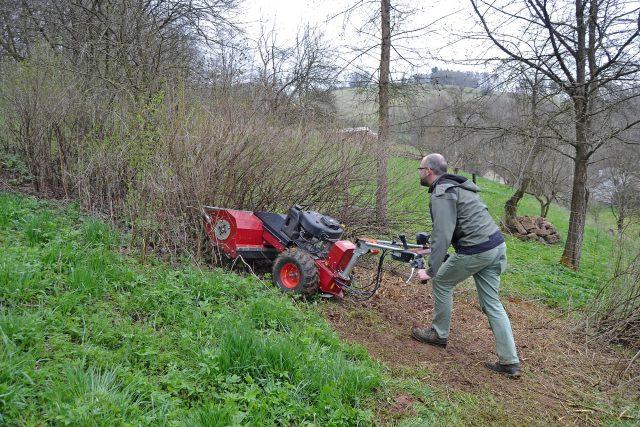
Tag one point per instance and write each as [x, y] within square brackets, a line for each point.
[564, 380]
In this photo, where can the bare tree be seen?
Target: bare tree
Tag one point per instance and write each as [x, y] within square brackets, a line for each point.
[588, 48]
[383, 110]
[550, 180]
[302, 72]
[532, 85]
[129, 44]
[385, 25]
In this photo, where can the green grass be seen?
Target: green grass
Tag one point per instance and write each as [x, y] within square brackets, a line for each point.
[91, 337]
[534, 270]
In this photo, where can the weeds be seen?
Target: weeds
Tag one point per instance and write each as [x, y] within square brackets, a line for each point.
[89, 336]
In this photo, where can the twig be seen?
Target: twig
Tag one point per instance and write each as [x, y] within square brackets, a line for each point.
[633, 359]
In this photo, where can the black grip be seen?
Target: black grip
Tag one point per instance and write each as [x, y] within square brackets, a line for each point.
[422, 238]
[419, 262]
[403, 239]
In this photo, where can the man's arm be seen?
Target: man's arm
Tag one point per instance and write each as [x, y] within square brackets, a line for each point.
[444, 216]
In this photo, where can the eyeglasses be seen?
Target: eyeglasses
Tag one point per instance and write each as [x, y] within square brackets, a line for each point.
[423, 168]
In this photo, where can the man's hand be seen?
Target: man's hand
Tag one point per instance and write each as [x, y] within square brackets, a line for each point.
[423, 276]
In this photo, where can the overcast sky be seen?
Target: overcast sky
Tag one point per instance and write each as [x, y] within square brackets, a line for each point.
[440, 47]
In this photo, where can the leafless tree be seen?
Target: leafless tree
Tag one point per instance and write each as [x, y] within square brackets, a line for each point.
[126, 44]
[384, 25]
[617, 183]
[550, 180]
[302, 72]
[383, 110]
[589, 49]
[531, 83]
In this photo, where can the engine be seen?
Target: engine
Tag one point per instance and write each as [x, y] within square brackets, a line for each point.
[312, 231]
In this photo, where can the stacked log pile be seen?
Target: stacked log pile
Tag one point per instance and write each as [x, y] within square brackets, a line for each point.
[534, 228]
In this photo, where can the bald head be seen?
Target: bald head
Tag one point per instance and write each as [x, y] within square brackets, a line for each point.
[435, 162]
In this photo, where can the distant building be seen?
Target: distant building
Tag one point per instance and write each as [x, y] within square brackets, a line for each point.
[359, 136]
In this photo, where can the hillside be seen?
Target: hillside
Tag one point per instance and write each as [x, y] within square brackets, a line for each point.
[92, 335]
[566, 382]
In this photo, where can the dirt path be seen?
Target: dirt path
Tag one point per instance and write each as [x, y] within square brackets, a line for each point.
[564, 382]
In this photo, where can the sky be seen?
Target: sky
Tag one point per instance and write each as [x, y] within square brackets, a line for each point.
[439, 46]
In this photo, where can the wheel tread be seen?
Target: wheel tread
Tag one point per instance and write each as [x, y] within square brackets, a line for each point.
[307, 265]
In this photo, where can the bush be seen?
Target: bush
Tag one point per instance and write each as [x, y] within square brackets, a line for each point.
[149, 163]
[614, 313]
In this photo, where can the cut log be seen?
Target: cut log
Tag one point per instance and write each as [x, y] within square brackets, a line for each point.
[543, 232]
[519, 227]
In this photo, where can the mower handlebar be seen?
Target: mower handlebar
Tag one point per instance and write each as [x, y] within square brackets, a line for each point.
[401, 253]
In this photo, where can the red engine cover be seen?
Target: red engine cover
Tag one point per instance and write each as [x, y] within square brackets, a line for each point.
[231, 229]
[339, 256]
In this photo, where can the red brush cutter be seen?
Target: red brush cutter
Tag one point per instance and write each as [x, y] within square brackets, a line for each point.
[305, 248]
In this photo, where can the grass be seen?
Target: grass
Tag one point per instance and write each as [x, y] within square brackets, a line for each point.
[90, 336]
[534, 270]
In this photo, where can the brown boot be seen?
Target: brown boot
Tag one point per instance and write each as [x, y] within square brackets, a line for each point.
[428, 336]
[512, 370]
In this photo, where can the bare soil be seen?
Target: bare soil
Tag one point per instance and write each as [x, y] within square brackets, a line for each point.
[564, 380]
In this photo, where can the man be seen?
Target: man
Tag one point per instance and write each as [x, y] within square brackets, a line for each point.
[461, 219]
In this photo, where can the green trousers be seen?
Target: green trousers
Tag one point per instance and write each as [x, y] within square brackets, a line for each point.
[485, 268]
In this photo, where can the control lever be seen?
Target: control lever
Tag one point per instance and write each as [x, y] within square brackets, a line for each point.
[417, 263]
[403, 239]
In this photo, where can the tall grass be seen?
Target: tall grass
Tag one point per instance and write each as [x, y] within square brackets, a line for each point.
[89, 336]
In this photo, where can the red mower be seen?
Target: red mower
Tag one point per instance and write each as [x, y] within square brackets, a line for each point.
[305, 248]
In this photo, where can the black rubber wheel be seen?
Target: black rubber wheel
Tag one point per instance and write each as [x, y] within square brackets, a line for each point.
[295, 271]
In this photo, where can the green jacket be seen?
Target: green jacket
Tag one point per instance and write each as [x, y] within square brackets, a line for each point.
[459, 218]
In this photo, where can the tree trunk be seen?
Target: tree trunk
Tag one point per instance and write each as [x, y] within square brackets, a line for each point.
[511, 206]
[544, 209]
[581, 96]
[579, 199]
[620, 221]
[383, 113]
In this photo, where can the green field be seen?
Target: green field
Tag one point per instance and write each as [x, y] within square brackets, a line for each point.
[534, 270]
[89, 336]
